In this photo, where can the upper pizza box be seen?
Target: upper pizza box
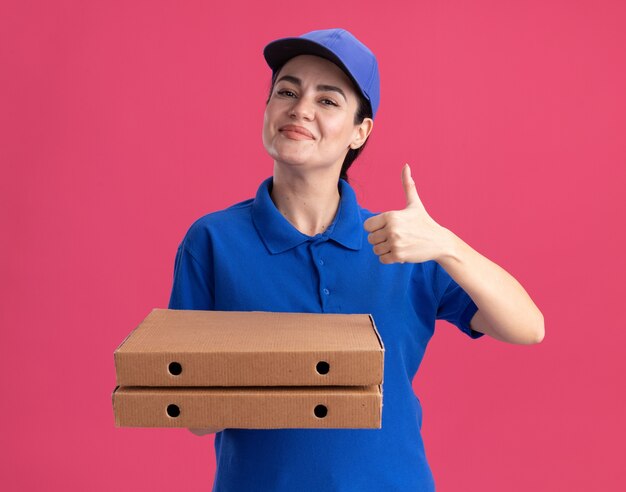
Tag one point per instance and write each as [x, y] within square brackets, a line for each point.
[251, 348]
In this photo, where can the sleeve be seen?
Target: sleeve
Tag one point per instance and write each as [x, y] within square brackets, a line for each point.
[193, 281]
[453, 303]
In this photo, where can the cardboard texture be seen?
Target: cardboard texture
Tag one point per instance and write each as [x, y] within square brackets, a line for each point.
[252, 348]
[251, 370]
[250, 408]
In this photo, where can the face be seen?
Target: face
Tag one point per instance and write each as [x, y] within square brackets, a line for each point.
[309, 119]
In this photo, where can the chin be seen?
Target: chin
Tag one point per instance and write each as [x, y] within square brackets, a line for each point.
[286, 161]
[290, 158]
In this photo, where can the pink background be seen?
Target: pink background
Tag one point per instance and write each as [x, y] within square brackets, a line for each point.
[124, 121]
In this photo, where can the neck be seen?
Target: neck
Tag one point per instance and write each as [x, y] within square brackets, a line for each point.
[309, 201]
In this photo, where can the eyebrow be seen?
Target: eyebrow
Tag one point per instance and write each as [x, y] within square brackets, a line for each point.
[321, 87]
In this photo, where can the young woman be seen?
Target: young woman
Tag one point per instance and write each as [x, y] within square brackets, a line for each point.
[304, 244]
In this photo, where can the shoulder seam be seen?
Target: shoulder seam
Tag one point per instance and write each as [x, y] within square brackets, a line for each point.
[193, 257]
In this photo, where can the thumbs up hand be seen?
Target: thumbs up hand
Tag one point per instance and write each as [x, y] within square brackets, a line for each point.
[409, 235]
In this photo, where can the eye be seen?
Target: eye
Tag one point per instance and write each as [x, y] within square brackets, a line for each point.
[329, 102]
[285, 92]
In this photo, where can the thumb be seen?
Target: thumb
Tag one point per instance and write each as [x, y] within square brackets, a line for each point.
[410, 191]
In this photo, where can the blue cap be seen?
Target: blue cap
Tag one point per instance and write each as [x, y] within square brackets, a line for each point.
[338, 46]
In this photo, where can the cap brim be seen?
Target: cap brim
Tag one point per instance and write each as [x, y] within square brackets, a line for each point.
[279, 52]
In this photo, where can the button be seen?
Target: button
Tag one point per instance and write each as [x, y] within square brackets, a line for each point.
[326, 291]
[321, 262]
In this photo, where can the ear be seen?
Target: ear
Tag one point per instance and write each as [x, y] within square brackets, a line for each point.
[362, 132]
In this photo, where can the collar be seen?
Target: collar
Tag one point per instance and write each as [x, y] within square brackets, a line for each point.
[279, 234]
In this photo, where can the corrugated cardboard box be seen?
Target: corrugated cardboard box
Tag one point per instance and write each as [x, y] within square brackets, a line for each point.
[252, 407]
[251, 369]
[252, 348]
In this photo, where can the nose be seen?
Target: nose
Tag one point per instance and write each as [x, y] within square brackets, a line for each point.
[302, 108]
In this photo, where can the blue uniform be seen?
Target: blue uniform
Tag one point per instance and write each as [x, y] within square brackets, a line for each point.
[248, 257]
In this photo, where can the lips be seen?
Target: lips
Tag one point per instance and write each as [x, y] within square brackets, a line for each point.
[300, 130]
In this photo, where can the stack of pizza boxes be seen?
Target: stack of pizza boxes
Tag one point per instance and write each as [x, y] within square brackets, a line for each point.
[250, 370]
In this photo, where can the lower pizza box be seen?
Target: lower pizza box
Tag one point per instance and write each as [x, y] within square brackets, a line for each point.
[278, 407]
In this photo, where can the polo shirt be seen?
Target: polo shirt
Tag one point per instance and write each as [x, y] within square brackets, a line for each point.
[249, 257]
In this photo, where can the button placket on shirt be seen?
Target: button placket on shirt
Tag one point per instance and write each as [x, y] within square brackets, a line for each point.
[318, 261]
